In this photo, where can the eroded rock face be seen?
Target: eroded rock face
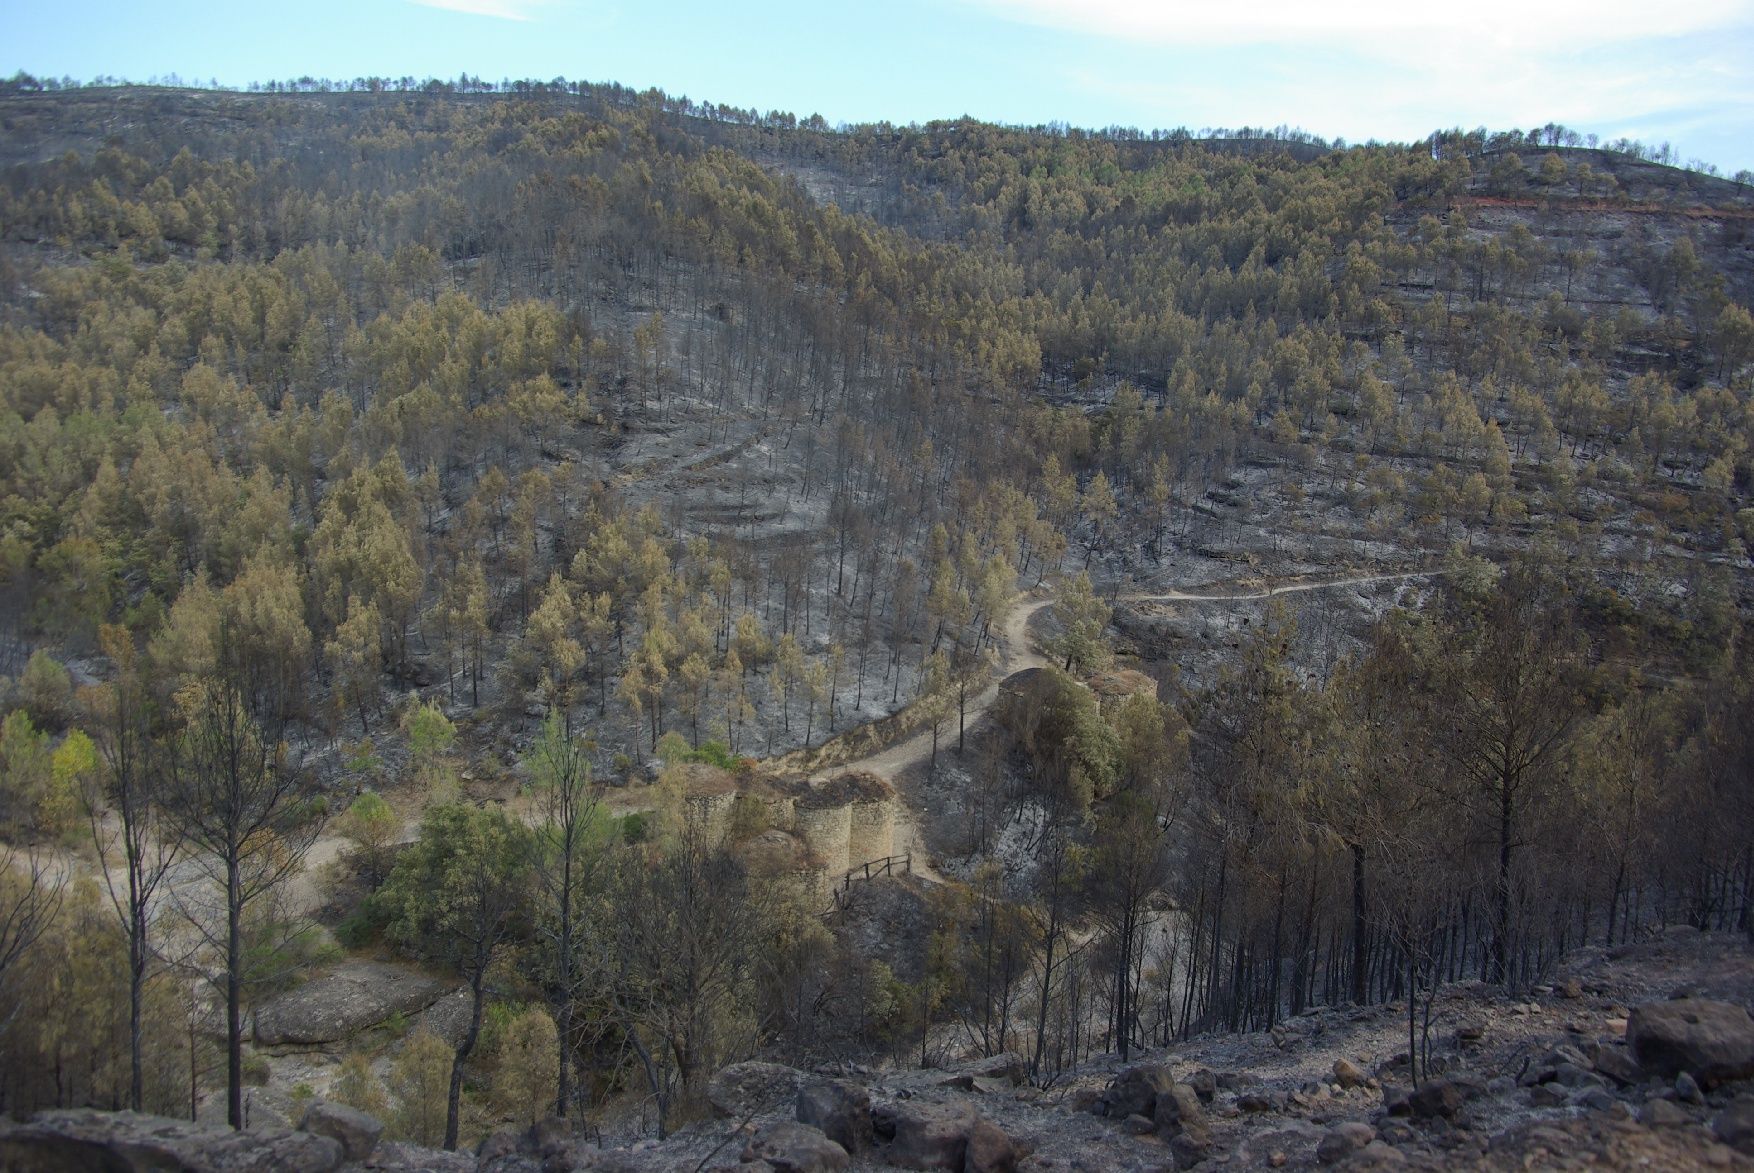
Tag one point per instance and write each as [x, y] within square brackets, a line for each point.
[1712, 1041]
[83, 1140]
[351, 998]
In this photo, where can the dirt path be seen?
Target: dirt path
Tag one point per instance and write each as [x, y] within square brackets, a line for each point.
[895, 761]
[1020, 653]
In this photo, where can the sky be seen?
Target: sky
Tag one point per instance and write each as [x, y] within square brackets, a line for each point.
[1681, 73]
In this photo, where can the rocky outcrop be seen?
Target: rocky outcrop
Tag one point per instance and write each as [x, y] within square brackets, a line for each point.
[789, 1147]
[841, 1109]
[927, 1135]
[350, 998]
[1134, 1092]
[355, 1131]
[1712, 1041]
[81, 1140]
[745, 1089]
[553, 1144]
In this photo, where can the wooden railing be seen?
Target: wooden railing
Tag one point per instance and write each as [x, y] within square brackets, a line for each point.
[877, 867]
[886, 866]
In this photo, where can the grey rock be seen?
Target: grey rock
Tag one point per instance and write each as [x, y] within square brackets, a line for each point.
[1663, 1114]
[1205, 1085]
[790, 1147]
[356, 1131]
[1594, 1098]
[1712, 1040]
[841, 1109]
[1348, 1074]
[1137, 1125]
[1261, 1101]
[1687, 1089]
[1437, 1098]
[1565, 1053]
[1005, 1066]
[1618, 1066]
[448, 1018]
[1342, 1140]
[1546, 1095]
[1571, 1075]
[1134, 1091]
[1177, 1111]
[990, 1150]
[352, 997]
[81, 1139]
[1377, 1155]
[1734, 1126]
[929, 1136]
[1188, 1150]
[743, 1089]
[1398, 1132]
[398, 1156]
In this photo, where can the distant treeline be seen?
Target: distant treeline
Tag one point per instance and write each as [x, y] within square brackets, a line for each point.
[1469, 143]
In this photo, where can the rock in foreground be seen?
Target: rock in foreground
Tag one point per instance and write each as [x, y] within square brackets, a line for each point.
[79, 1140]
[1712, 1041]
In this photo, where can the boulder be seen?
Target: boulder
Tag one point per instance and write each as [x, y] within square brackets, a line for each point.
[1188, 1149]
[841, 1109]
[1618, 1066]
[929, 1136]
[1261, 1101]
[1205, 1085]
[1437, 1098]
[350, 998]
[1713, 1041]
[448, 1018]
[744, 1089]
[1134, 1091]
[1546, 1095]
[1005, 1066]
[81, 1139]
[356, 1131]
[1177, 1111]
[1377, 1155]
[790, 1147]
[1342, 1140]
[1734, 1126]
[1349, 1075]
[1663, 1114]
[549, 1144]
[400, 1155]
[990, 1150]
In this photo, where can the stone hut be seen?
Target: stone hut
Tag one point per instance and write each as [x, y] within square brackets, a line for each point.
[871, 819]
[708, 794]
[822, 818]
[781, 855]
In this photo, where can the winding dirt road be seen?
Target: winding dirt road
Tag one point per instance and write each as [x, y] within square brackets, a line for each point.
[896, 760]
[1020, 653]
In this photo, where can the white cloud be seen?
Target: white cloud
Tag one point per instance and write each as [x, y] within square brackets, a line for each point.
[1532, 24]
[520, 10]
